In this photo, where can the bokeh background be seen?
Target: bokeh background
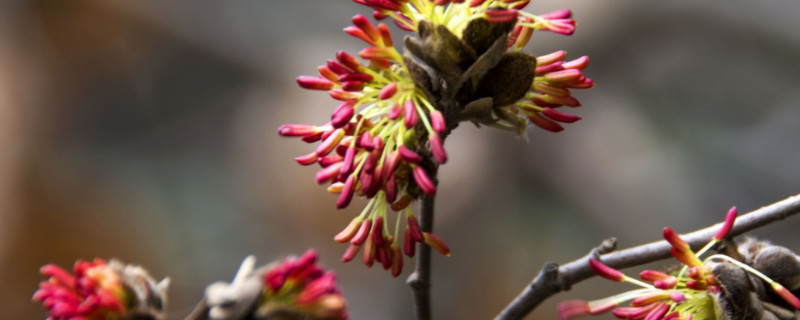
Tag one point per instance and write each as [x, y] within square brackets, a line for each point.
[147, 131]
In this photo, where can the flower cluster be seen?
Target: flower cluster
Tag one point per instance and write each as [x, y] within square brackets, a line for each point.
[699, 290]
[300, 285]
[385, 140]
[549, 87]
[98, 291]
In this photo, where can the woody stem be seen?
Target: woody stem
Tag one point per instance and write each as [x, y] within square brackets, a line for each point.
[420, 280]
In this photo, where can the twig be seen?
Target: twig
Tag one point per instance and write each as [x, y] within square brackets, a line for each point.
[553, 279]
[420, 280]
[200, 312]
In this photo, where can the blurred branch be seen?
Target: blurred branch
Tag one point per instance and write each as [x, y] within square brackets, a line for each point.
[420, 280]
[200, 312]
[553, 279]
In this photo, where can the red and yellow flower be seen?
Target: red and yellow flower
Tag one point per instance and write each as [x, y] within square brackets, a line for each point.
[385, 140]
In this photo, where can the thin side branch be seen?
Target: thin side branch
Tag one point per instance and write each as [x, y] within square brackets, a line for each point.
[420, 280]
[553, 279]
[200, 312]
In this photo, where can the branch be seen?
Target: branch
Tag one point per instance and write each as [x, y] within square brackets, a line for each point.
[553, 279]
[420, 280]
[200, 312]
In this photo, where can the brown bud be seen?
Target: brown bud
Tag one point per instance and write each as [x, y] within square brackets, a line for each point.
[480, 34]
[441, 49]
[508, 82]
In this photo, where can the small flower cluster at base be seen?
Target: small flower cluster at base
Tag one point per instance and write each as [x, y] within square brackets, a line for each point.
[379, 246]
[100, 291]
[693, 292]
[300, 286]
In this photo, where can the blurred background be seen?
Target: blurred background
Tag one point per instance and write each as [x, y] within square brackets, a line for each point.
[147, 131]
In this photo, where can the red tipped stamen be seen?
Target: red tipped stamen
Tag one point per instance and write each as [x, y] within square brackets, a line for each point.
[658, 312]
[409, 245]
[351, 252]
[730, 218]
[388, 91]
[572, 308]
[686, 257]
[296, 130]
[786, 295]
[363, 23]
[369, 252]
[605, 271]
[659, 279]
[559, 116]
[550, 58]
[650, 297]
[363, 232]
[500, 15]
[563, 75]
[348, 60]
[415, 231]
[675, 240]
[677, 296]
[437, 122]
[347, 193]
[410, 113]
[314, 83]
[386, 36]
[601, 307]
[579, 63]
[544, 123]
[308, 159]
[436, 243]
[397, 260]
[423, 181]
[349, 232]
[408, 155]
[437, 148]
[377, 231]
